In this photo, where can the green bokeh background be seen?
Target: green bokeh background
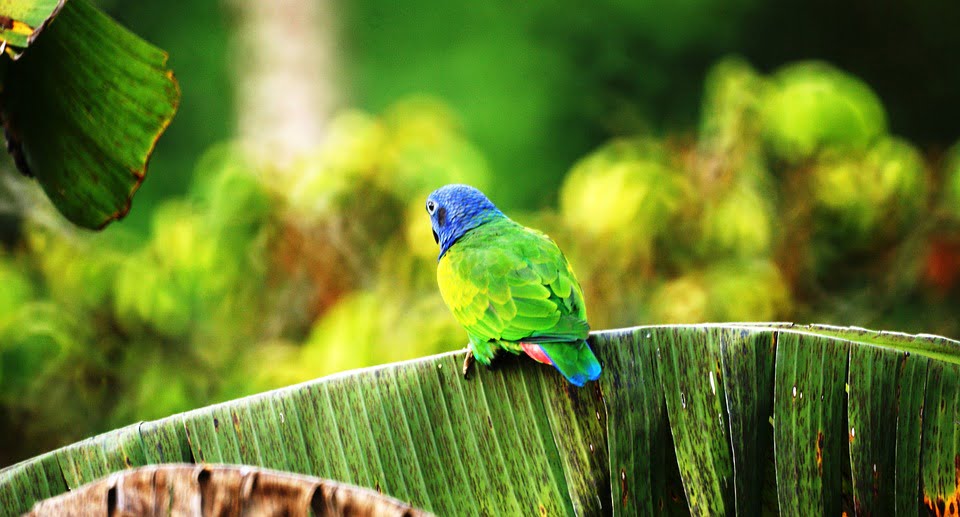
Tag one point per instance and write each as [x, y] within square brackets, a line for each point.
[684, 184]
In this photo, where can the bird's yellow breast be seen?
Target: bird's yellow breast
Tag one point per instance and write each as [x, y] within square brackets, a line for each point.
[462, 296]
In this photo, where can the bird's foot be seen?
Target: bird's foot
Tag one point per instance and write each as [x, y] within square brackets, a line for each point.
[468, 361]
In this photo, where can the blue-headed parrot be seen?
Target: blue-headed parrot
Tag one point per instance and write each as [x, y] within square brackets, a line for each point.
[509, 286]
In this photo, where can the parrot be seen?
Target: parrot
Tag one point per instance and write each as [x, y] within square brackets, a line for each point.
[509, 286]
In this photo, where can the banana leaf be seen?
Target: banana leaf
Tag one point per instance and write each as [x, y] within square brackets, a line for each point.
[83, 106]
[740, 419]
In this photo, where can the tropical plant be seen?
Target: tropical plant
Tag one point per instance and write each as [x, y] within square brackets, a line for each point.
[705, 419]
[83, 104]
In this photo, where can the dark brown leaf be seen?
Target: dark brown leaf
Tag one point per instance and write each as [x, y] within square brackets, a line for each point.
[219, 490]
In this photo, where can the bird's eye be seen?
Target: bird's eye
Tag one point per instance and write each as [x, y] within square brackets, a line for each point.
[431, 207]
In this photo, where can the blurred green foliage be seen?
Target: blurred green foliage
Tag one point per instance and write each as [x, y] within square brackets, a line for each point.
[815, 106]
[682, 187]
[571, 77]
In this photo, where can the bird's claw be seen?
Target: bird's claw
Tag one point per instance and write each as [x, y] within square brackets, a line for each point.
[468, 361]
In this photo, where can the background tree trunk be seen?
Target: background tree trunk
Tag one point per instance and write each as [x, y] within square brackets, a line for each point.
[284, 57]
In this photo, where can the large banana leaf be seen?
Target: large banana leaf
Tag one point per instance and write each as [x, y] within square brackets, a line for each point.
[84, 105]
[706, 419]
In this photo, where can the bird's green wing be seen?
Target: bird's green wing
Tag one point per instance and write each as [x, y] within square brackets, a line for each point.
[507, 283]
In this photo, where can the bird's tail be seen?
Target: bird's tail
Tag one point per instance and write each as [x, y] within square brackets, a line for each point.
[575, 361]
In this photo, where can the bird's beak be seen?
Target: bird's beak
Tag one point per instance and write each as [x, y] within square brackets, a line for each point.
[436, 237]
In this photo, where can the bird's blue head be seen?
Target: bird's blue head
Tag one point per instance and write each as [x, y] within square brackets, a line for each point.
[456, 209]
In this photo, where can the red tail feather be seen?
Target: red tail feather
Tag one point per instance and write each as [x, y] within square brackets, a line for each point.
[537, 353]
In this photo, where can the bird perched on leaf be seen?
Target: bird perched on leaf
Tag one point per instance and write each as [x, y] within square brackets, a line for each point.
[508, 285]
